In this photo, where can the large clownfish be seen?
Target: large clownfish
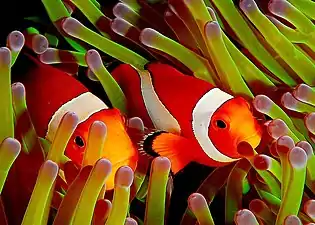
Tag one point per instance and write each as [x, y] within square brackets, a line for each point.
[198, 121]
[51, 93]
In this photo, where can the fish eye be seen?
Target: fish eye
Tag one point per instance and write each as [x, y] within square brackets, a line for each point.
[79, 141]
[220, 124]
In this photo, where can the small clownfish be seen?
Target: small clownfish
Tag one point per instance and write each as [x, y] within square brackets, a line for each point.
[51, 93]
[198, 121]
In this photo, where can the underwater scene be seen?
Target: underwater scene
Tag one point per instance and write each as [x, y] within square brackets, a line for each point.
[154, 112]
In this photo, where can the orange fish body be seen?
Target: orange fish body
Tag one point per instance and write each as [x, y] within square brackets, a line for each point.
[203, 123]
[50, 93]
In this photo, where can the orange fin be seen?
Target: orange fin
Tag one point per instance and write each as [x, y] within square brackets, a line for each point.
[169, 145]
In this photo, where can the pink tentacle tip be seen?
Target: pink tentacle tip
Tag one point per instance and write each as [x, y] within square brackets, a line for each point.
[288, 101]
[244, 216]
[18, 90]
[309, 208]
[5, 56]
[297, 158]
[99, 128]
[292, 220]
[93, 59]
[148, 36]
[124, 176]
[307, 147]
[285, 141]
[130, 221]
[197, 202]
[49, 55]
[310, 122]
[16, 40]
[212, 29]
[50, 168]
[161, 164]
[277, 128]
[303, 92]
[104, 165]
[70, 118]
[11, 145]
[248, 6]
[120, 26]
[262, 103]
[136, 123]
[40, 44]
[120, 10]
[71, 25]
[278, 7]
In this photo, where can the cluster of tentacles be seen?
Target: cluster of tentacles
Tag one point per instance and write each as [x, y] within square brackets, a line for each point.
[265, 52]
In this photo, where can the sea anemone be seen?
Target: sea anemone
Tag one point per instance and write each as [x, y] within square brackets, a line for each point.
[263, 52]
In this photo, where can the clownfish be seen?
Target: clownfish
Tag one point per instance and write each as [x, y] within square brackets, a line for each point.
[51, 93]
[195, 120]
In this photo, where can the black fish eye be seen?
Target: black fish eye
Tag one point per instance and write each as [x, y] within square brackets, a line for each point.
[79, 141]
[220, 124]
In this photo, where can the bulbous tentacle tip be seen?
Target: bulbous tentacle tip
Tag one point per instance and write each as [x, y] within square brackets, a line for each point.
[303, 92]
[262, 103]
[120, 26]
[161, 164]
[18, 90]
[5, 56]
[284, 144]
[307, 148]
[48, 56]
[40, 44]
[277, 7]
[130, 221]
[93, 59]
[71, 25]
[245, 216]
[309, 121]
[148, 36]
[71, 118]
[124, 176]
[197, 202]
[277, 128]
[11, 145]
[248, 6]
[309, 208]
[136, 123]
[212, 29]
[103, 165]
[288, 101]
[50, 169]
[120, 10]
[297, 157]
[16, 41]
[292, 220]
[98, 128]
